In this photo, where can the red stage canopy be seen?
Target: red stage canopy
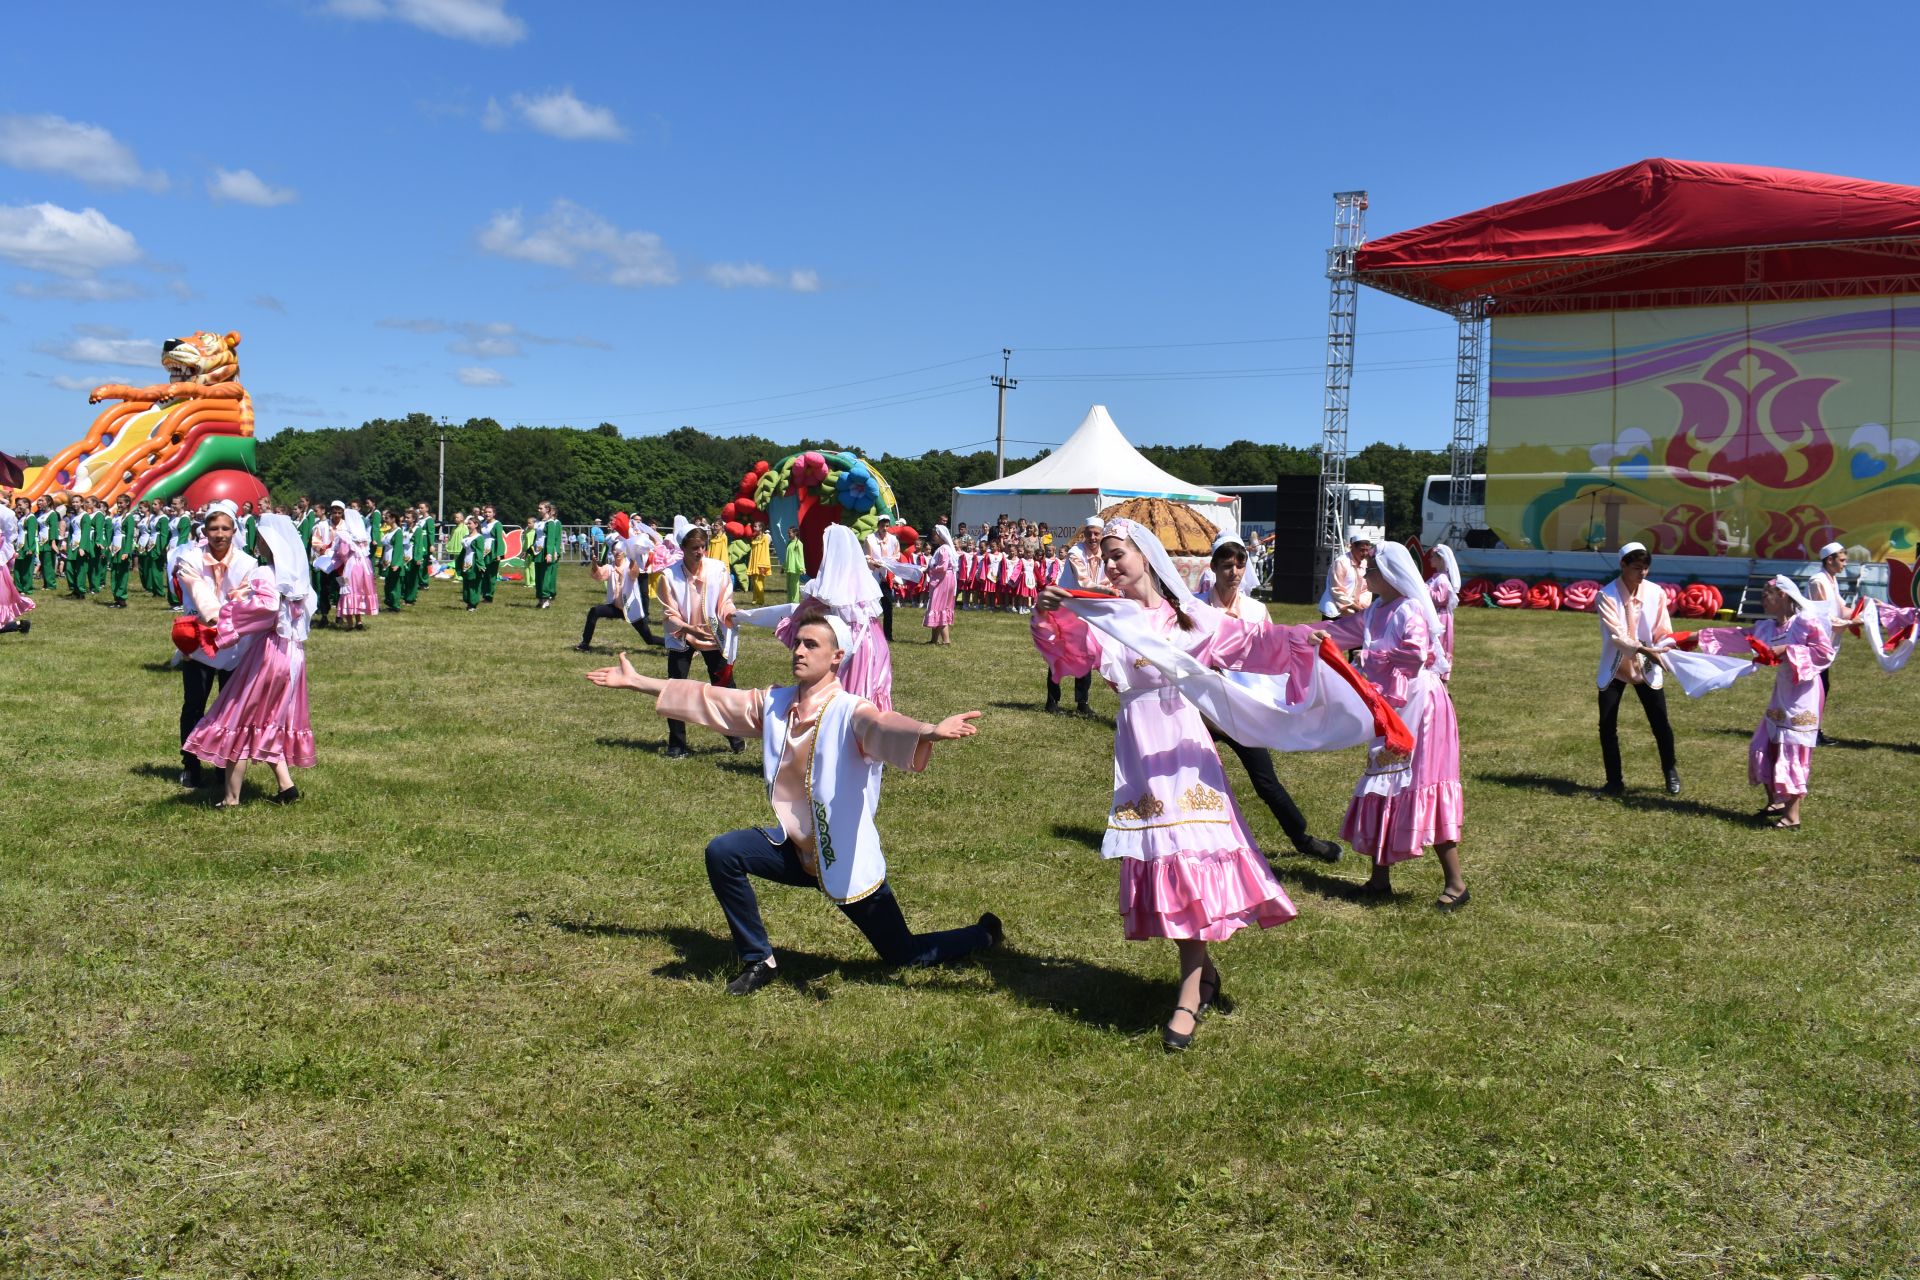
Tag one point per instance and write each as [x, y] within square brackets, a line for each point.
[1661, 233]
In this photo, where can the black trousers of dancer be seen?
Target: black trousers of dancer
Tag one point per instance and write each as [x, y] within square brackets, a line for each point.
[1258, 762]
[599, 611]
[1082, 686]
[886, 609]
[198, 681]
[679, 667]
[1654, 703]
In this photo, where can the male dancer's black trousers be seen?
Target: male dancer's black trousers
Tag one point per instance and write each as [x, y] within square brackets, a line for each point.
[198, 682]
[1082, 686]
[599, 611]
[1258, 762]
[1654, 703]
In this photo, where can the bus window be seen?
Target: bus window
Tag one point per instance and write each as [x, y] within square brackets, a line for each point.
[1439, 492]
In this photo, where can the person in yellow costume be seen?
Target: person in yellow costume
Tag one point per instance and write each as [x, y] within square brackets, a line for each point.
[760, 564]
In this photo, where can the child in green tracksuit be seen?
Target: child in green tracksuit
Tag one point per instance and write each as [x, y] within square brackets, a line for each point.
[470, 562]
[399, 557]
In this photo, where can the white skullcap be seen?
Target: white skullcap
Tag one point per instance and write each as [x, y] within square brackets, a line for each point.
[336, 503]
[1632, 547]
[1359, 537]
[842, 633]
[1831, 549]
[1095, 522]
[224, 507]
[1228, 540]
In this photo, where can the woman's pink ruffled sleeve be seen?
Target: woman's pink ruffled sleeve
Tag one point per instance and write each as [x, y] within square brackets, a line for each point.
[1261, 648]
[1811, 652]
[1066, 641]
[249, 611]
[1348, 631]
[1724, 640]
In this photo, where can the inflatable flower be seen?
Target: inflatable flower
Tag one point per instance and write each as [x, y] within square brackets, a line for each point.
[1543, 595]
[1511, 594]
[856, 490]
[1672, 593]
[1475, 591]
[1581, 597]
[809, 469]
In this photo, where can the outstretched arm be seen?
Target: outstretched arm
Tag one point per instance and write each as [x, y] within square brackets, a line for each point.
[902, 741]
[624, 676]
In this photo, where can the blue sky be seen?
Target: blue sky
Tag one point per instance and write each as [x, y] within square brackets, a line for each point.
[656, 215]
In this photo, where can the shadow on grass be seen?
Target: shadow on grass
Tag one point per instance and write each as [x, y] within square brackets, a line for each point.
[655, 745]
[1310, 879]
[1085, 836]
[171, 772]
[1088, 993]
[1540, 782]
[162, 667]
[1655, 800]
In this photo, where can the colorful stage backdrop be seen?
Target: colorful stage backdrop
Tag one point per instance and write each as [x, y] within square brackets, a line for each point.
[1762, 430]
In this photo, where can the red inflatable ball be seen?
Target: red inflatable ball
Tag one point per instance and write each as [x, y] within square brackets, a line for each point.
[1476, 591]
[729, 511]
[737, 530]
[745, 508]
[1581, 597]
[236, 487]
[1543, 595]
[1511, 594]
[908, 535]
[761, 468]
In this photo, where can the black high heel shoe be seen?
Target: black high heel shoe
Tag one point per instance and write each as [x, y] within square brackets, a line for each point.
[1172, 1041]
[1219, 1001]
[284, 797]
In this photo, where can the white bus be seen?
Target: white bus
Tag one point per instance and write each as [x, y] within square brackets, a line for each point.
[1436, 513]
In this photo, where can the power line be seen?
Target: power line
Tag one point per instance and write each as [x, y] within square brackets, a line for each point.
[1240, 342]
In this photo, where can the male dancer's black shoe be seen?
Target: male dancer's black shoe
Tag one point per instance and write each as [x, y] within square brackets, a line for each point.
[1315, 847]
[752, 978]
[1615, 788]
[1673, 782]
[191, 778]
[1820, 739]
[736, 745]
[996, 932]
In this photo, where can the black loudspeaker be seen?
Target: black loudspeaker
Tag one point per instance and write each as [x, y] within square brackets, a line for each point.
[1296, 501]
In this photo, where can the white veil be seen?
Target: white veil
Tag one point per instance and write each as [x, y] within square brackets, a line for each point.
[1397, 567]
[1172, 585]
[1448, 565]
[290, 575]
[845, 584]
[1791, 590]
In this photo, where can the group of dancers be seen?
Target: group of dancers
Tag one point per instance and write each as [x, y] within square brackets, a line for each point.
[1192, 671]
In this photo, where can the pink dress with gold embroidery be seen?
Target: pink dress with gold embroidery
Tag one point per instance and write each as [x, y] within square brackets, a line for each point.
[261, 713]
[1189, 866]
[1780, 754]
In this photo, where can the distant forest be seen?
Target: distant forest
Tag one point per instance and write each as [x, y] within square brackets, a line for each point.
[588, 473]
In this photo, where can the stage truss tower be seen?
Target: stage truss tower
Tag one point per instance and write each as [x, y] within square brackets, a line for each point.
[1471, 384]
[1343, 295]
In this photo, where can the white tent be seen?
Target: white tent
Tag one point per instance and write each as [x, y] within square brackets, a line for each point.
[1094, 469]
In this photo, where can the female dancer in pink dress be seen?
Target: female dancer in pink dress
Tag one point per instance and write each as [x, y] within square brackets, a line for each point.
[1443, 588]
[261, 713]
[845, 587]
[1403, 803]
[358, 598]
[1796, 636]
[1190, 871]
[14, 607]
[941, 584]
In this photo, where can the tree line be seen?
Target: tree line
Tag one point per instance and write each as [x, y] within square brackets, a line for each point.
[589, 472]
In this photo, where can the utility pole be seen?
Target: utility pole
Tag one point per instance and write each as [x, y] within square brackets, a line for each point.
[440, 503]
[1006, 384]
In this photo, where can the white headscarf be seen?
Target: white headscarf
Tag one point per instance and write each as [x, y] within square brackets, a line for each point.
[356, 526]
[1172, 585]
[681, 528]
[290, 575]
[942, 534]
[1448, 565]
[845, 584]
[1790, 589]
[1398, 568]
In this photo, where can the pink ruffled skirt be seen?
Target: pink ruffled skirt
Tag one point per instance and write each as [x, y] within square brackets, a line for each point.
[1783, 768]
[12, 604]
[359, 597]
[261, 713]
[1391, 819]
[1209, 896]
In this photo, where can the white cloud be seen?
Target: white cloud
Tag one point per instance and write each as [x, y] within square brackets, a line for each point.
[82, 290]
[578, 239]
[494, 118]
[560, 115]
[493, 340]
[244, 186]
[67, 382]
[481, 21]
[100, 344]
[46, 237]
[752, 275]
[474, 376]
[54, 144]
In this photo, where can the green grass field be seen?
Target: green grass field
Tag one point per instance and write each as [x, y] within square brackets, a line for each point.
[459, 1014]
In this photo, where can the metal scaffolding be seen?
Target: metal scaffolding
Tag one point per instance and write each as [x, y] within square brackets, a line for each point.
[1343, 295]
[1470, 386]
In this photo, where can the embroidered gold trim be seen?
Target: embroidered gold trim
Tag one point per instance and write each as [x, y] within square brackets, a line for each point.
[1177, 822]
[1201, 798]
[1799, 719]
[1146, 807]
[822, 838]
